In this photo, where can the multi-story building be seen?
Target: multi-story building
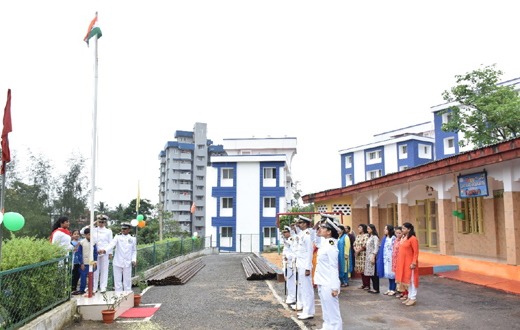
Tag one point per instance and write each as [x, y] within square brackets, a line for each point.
[183, 177]
[246, 189]
[391, 151]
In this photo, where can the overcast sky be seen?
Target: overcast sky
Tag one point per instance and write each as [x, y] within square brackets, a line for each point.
[330, 73]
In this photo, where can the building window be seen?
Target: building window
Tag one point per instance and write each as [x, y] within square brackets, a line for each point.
[348, 162]
[425, 151]
[322, 208]
[269, 202]
[446, 117]
[200, 177]
[374, 174]
[402, 168]
[245, 152]
[226, 231]
[200, 187]
[374, 157]
[348, 180]
[403, 151]
[199, 198]
[470, 218]
[227, 173]
[391, 214]
[227, 202]
[200, 168]
[449, 146]
[200, 146]
[199, 208]
[269, 235]
[269, 173]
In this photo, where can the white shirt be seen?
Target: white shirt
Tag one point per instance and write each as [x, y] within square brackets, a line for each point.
[305, 249]
[62, 239]
[287, 250]
[327, 272]
[126, 250]
[102, 237]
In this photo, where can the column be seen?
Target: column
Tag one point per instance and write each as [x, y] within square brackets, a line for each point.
[512, 216]
[445, 231]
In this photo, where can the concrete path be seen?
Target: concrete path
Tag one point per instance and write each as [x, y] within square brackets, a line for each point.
[219, 297]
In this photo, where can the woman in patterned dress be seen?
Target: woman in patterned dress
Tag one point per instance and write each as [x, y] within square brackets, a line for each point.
[384, 259]
[370, 258]
[359, 249]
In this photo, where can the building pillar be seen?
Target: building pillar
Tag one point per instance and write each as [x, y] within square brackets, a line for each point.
[512, 224]
[403, 213]
[374, 215]
[446, 236]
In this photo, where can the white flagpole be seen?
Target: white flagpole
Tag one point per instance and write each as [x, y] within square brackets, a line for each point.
[93, 170]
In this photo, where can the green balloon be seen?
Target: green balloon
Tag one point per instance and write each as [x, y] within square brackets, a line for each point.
[194, 238]
[13, 221]
[140, 217]
[461, 216]
[455, 213]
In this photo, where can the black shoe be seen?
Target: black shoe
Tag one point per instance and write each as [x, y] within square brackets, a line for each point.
[373, 292]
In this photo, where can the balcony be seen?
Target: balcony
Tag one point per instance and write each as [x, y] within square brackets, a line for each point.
[177, 207]
[181, 197]
[185, 156]
[184, 166]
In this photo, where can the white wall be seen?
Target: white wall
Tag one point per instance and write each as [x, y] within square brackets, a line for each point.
[390, 158]
[248, 198]
[359, 166]
[211, 202]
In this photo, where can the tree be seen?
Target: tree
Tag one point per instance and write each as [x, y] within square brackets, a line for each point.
[486, 113]
[73, 190]
[145, 208]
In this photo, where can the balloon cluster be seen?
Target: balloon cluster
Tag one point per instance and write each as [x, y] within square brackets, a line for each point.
[458, 215]
[194, 237]
[139, 221]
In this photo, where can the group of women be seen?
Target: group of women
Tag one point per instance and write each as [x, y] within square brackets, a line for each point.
[395, 258]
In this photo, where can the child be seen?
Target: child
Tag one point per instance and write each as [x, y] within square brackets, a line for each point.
[83, 256]
[75, 270]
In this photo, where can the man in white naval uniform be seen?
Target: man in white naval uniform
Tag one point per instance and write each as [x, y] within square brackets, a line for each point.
[102, 236]
[326, 275]
[304, 265]
[124, 259]
[288, 257]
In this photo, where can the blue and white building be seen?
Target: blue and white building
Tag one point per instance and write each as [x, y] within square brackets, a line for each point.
[246, 189]
[391, 152]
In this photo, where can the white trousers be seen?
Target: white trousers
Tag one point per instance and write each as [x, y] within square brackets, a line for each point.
[123, 278]
[291, 285]
[102, 267]
[330, 309]
[305, 293]
[412, 290]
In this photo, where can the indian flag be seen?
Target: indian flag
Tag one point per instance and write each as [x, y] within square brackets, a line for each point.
[93, 30]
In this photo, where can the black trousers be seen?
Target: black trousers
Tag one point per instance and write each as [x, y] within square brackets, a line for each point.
[375, 279]
[75, 276]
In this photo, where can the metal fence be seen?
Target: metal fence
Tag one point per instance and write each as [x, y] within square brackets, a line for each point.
[244, 243]
[29, 291]
[156, 254]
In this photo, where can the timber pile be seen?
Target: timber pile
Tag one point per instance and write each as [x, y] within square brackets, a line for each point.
[177, 274]
[257, 269]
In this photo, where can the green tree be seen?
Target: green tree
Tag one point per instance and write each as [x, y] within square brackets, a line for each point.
[72, 192]
[145, 208]
[485, 112]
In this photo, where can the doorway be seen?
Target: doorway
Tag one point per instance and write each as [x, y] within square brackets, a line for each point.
[426, 220]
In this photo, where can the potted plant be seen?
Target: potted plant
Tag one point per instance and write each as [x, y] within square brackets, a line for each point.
[142, 284]
[112, 303]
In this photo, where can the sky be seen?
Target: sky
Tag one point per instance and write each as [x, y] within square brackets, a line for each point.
[330, 73]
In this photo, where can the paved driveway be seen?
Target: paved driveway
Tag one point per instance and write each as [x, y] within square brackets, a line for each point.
[219, 297]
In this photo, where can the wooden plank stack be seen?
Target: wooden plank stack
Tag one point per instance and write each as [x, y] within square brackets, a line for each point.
[257, 269]
[177, 274]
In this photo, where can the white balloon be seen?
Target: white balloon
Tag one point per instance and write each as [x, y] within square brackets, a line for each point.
[134, 222]
[195, 234]
[1, 217]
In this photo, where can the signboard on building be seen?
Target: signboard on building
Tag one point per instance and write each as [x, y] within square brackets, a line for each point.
[473, 185]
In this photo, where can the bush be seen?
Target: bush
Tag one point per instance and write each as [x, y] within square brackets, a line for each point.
[27, 291]
[19, 252]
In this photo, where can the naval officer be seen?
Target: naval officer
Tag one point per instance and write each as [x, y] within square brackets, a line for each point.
[288, 257]
[326, 275]
[124, 259]
[304, 265]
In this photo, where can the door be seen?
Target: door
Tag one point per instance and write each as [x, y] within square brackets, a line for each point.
[226, 237]
[426, 220]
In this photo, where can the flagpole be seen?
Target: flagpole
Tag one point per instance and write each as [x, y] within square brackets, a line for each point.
[93, 170]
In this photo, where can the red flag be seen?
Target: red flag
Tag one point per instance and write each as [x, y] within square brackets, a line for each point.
[8, 127]
[193, 208]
